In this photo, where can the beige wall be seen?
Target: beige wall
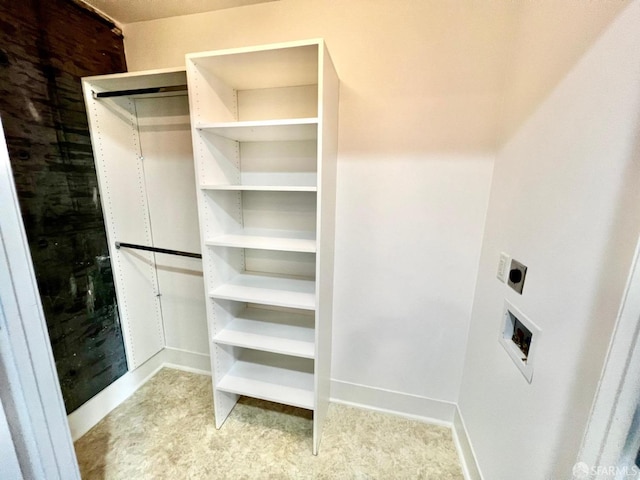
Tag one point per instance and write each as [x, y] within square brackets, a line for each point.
[418, 119]
[431, 90]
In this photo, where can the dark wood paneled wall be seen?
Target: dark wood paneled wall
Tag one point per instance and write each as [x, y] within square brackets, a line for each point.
[46, 46]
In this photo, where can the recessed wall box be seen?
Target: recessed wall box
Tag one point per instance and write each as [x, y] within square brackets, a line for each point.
[519, 337]
[517, 273]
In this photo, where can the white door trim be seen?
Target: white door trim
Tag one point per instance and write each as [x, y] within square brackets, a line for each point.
[8, 456]
[29, 389]
[618, 391]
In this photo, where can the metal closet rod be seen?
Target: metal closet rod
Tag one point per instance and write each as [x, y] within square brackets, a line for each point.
[140, 91]
[158, 250]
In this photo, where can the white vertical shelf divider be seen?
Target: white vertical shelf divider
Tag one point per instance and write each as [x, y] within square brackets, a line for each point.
[265, 126]
[328, 100]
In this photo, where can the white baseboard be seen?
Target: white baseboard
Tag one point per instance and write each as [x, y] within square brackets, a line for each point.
[94, 410]
[187, 361]
[466, 453]
[406, 405]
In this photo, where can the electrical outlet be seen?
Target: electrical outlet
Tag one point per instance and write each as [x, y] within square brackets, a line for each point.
[502, 267]
[517, 274]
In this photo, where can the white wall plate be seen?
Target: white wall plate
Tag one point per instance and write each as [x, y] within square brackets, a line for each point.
[520, 337]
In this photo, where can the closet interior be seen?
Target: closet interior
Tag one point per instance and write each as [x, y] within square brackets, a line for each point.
[233, 160]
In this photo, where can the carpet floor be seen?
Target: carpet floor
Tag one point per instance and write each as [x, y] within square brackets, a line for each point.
[165, 431]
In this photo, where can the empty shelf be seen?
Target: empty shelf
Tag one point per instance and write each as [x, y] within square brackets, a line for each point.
[262, 188]
[275, 378]
[268, 240]
[274, 290]
[271, 331]
[265, 130]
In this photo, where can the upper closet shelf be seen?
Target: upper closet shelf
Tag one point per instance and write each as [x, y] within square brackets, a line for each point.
[265, 130]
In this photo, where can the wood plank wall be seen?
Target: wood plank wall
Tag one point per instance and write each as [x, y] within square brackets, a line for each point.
[46, 46]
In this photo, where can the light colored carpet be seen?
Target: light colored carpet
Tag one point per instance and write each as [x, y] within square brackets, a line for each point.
[166, 431]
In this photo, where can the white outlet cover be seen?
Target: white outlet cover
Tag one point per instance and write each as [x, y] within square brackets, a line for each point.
[503, 265]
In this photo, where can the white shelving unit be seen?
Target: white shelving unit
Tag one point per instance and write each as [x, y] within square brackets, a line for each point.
[142, 145]
[265, 140]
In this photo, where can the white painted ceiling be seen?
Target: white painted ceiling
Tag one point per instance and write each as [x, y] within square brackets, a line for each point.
[128, 11]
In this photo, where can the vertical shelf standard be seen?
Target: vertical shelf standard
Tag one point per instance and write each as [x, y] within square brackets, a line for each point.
[264, 122]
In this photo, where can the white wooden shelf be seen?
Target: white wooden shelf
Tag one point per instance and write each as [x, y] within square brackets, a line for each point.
[281, 240]
[262, 188]
[274, 331]
[276, 290]
[265, 130]
[282, 379]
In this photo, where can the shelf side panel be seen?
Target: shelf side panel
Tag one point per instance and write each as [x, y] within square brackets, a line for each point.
[223, 358]
[229, 263]
[221, 212]
[219, 159]
[116, 146]
[210, 98]
[329, 88]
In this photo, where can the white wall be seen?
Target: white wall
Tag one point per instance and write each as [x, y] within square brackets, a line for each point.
[420, 84]
[565, 201]
[543, 48]
[165, 144]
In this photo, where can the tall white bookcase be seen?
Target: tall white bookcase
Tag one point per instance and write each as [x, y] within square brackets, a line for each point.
[264, 126]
